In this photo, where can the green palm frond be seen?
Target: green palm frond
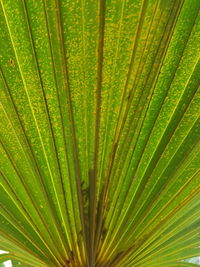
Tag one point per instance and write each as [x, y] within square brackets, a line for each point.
[99, 132]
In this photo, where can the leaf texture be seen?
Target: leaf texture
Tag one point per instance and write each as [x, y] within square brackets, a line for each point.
[99, 132]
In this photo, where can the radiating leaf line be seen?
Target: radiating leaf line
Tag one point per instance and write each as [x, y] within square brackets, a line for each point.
[120, 153]
[64, 137]
[175, 237]
[177, 148]
[127, 133]
[28, 161]
[98, 230]
[9, 217]
[168, 181]
[46, 104]
[153, 124]
[135, 44]
[11, 161]
[32, 110]
[129, 187]
[38, 173]
[8, 256]
[188, 254]
[145, 258]
[186, 201]
[161, 244]
[136, 214]
[63, 127]
[147, 95]
[165, 97]
[24, 213]
[105, 187]
[75, 155]
[172, 114]
[174, 198]
[192, 242]
[84, 85]
[19, 244]
[116, 140]
[137, 75]
[184, 264]
[165, 223]
[25, 187]
[54, 72]
[99, 170]
[111, 93]
[128, 106]
[20, 250]
[94, 176]
[140, 158]
[167, 204]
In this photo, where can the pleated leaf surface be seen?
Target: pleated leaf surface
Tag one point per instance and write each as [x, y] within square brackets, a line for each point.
[99, 132]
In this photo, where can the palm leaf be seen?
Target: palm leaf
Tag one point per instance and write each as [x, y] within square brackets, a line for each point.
[99, 132]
